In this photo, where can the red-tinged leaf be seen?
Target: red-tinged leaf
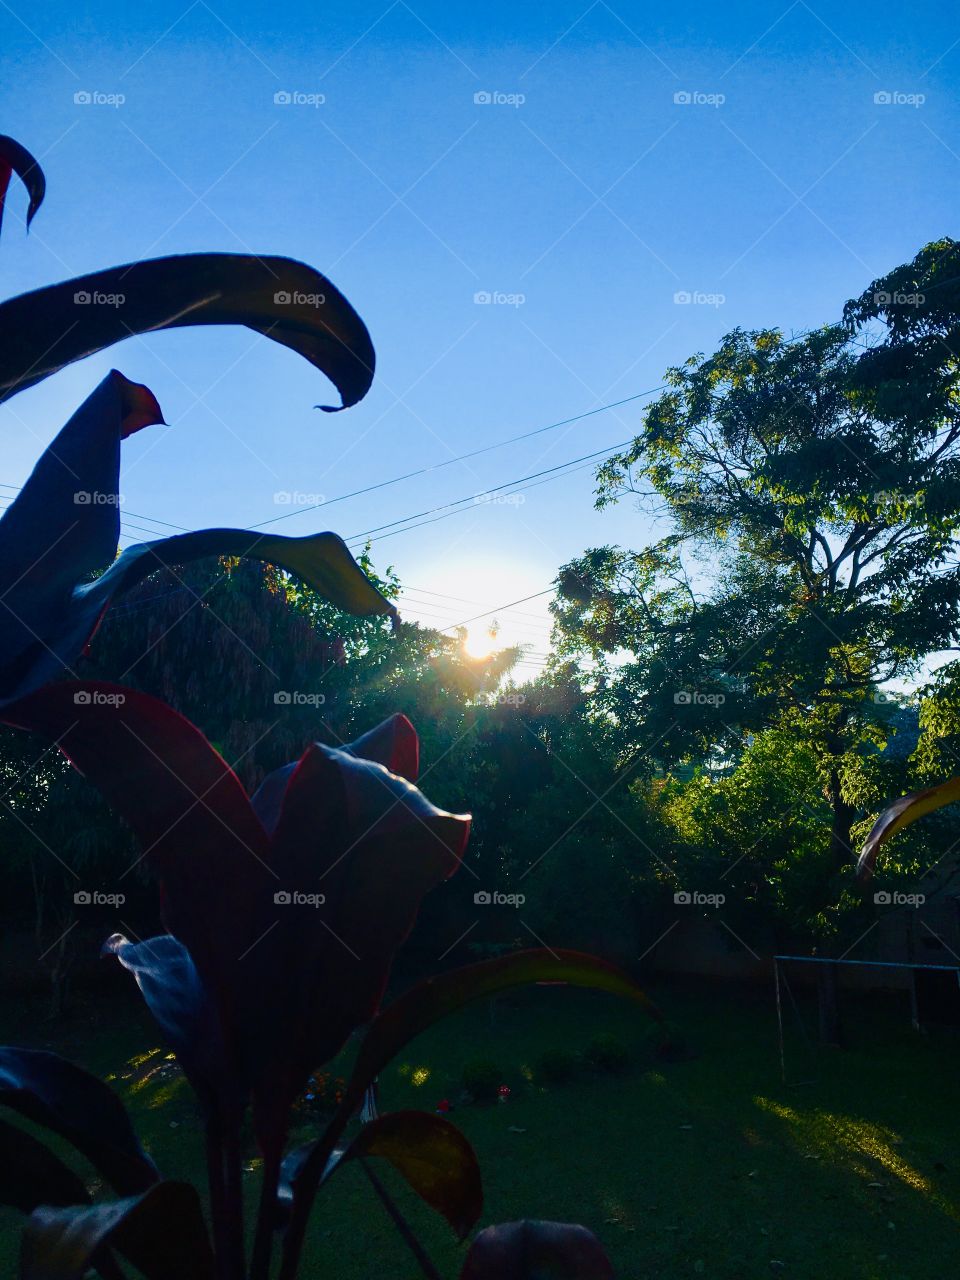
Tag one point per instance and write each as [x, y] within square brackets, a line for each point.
[63, 526]
[536, 1251]
[392, 743]
[161, 1232]
[31, 1175]
[15, 158]
[430, 1153]
[901, 814]
[284, 300]
[373, 845]
[52, 1092]
[418, 1009]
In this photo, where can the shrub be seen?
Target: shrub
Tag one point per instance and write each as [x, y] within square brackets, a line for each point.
[608, 1053]
[556, 1066]
[482, 1079]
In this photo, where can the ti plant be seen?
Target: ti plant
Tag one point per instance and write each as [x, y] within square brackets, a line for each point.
[252, 988]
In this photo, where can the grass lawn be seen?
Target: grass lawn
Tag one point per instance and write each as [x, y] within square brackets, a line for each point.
[704, 1167]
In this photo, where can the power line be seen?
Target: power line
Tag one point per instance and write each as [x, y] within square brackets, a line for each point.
[474, 453]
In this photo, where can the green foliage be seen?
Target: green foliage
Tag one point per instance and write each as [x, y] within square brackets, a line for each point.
[607, 1052]
[556, 1066]
[482, 1079]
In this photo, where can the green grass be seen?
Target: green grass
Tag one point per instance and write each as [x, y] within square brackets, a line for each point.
[708, 1166]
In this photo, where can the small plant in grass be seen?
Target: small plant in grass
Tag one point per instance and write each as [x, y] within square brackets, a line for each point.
[482, 1079]
[556, 1066]
[607, 1052]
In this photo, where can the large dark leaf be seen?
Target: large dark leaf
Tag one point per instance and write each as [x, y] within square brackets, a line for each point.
[430, 1153]
[418, 1009]
[31, 1175]
[177, 998]
[373, 845]
[185, 805]
[52, 1092]
[64, 526]
[161, 1232]
[536, 1251]
[286, 301]
[392, 743]
[15, 158]
[901, 814]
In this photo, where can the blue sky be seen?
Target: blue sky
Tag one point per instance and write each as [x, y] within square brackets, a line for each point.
[583, 195]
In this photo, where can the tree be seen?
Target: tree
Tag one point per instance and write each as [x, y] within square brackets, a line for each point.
[812, 490]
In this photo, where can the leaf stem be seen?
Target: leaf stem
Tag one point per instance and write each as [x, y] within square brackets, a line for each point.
[400, 1222]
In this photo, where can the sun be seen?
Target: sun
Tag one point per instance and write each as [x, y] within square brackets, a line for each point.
[480, 641]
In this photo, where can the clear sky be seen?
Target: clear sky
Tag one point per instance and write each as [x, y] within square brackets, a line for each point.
[576, 190]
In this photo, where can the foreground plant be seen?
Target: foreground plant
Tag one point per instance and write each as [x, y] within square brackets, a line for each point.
[254, 988]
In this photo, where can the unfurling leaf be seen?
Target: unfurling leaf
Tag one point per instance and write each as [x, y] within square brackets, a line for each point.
[901, 814]
[52, 1092]
[284, 300]
[161, 1232]
[536, 1251]
[15, 158]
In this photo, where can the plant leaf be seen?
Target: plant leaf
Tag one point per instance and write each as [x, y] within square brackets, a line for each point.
[431, 1154]
[175, 995]
[15, 158]
[536, 1251]
[31, 1175]
[65, 524]
[901, 814]
[423, 1005]
[52, 1092]
[161, 1232]
[48, 329]
[373, 845]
